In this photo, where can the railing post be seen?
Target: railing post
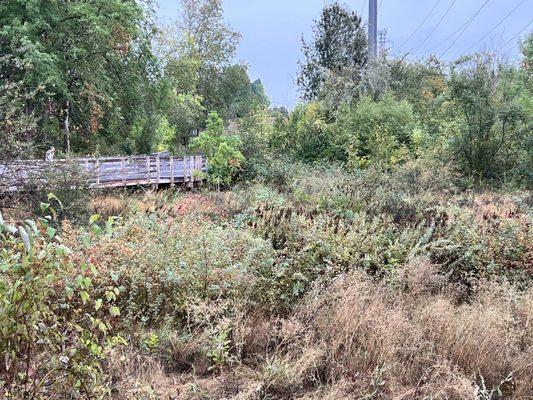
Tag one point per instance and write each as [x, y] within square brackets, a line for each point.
[148, 169]
[171, 162]
[195, 167]
[158, 170]
[185, 161]
[191, 171]
[97, 172]
[123, 171]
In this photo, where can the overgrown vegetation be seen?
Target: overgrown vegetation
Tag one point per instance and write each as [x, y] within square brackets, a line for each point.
[375, 284]
[373, 243]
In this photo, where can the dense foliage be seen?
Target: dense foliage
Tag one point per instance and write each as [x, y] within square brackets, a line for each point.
[103, 78]
[87, 77]
[286, 288]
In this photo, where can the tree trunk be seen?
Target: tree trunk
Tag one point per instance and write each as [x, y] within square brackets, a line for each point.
[67, 127]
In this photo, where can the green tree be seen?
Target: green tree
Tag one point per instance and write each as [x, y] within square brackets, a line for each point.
[494, 123]
[90, 59]
[18, 126]
[339, 47]
[237, 95]
[307, 134]
[222, 151]
[256, 130]
[185, 113]
[204, 37]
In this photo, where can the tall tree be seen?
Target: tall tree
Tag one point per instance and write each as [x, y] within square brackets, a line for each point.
[339, 46]
[205, 38]
[205, 35]
[86, 56]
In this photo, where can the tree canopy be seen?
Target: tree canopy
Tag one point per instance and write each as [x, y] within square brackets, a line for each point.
[338, 47]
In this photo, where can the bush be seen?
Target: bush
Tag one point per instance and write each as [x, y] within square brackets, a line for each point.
[192, 261]
[65, 184]
[494, 125]
[56, 325]
[222, 151]
[378, 132]
[307, 134]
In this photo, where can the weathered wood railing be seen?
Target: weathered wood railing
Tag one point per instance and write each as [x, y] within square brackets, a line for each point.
[111, 171]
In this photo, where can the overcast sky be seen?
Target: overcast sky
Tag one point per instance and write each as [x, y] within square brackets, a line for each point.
[272, 30]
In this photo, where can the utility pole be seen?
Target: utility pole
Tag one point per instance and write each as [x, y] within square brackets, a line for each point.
[373, 28]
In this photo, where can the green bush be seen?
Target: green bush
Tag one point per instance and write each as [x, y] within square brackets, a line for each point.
[222, 151]
[55, 323]
[378, 132]
[495, 124]
[179, 266]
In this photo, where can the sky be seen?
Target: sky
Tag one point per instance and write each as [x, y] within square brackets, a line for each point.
[272, 31]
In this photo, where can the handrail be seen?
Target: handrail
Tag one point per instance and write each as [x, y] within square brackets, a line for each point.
[113, 171]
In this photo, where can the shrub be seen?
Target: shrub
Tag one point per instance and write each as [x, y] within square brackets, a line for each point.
[56, 325]
[188, 262]
[66, 181]
[378, 132]
[494, 122]
[222, 151]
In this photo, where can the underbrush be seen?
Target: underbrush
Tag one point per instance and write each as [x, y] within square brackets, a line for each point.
[377, 285]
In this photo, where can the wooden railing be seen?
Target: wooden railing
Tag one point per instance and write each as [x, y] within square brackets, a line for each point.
[110, 171]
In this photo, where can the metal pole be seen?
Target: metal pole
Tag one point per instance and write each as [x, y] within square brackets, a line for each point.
[373, 28]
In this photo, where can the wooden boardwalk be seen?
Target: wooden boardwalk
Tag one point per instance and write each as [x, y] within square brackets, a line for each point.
[108, 172]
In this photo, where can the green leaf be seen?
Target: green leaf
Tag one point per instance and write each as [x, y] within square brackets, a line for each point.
[114, 311]
[84, 296]
[10, 228]
[44, 207]
[94, 218]
[51, 232]
[33, 226]
[102, 327]
[52, 196]
[25, 236]
[69, 292]
[109, 225]
[97, 304]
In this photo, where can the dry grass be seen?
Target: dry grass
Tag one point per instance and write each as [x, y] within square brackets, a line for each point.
[419, 342]
[363, 340]
[108, 206]
[359, 339]
[412, 335]
[140, 376]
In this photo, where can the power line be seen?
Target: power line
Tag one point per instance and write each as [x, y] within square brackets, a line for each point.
[465, 26]
[363, 8]
[496, 27]
[516, 36]
[419, 26]
[436, 26]
[380, 4]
